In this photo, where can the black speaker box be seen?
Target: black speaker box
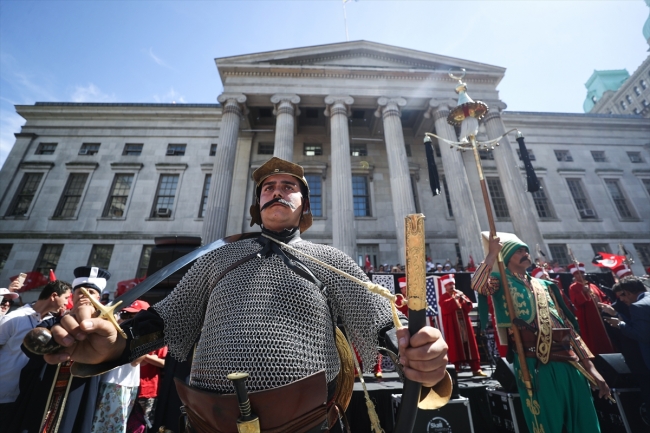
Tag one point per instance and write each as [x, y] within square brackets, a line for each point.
[455, 393]
[505, 375]
[615, 371]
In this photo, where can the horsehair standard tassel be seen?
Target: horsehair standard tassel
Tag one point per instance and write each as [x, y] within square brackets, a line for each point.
[531, 177]
[434, 180]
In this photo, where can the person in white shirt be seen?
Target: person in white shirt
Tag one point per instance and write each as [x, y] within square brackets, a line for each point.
[6, 300]
[13, 328]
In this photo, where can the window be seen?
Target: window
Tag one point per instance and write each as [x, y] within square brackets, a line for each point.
[71, 196]
[100, 256]
[213, 149]
[643, 250]
[559, 253]
[620, 201]
[46, 148]
[580, 199]
[459, 257]
[645, 103]
[165, 195]
[623, 105]
[563, 156]
[204, 197]
[636, 111]
[358, 150]
[176, 149]
[635, 157]
[89, 149]
[143, 264]
[48, 258]
[498, 197]
[637, 91]
[542, 204]
[486, 154]
[598, 155]
[134, 149]
[530, 154]
[628, 98]
[361, 196]
[5, 249]
[447, 198]
[312, 149]
[116, 203]
[643, 84]
[265, 148]
[646, 184]
[25, 194]
[408, 150]
[601, 248]
[370, 250]
[315, 194]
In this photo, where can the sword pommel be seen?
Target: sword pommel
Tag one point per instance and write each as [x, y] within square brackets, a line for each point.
[248, 422]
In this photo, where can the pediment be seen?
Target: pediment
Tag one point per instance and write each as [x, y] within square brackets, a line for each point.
[361, 55]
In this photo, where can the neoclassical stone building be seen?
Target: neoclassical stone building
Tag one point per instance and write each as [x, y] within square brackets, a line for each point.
[95, 183]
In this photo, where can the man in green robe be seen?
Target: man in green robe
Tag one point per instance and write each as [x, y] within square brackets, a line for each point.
[561, 396]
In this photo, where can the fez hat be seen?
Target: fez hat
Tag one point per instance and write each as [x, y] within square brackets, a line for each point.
[537, 273]
[90, 276]
[621, 271]
[575, 268]
[270, 168]
[446, 279]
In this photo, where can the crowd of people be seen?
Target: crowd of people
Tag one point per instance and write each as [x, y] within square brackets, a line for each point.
[269, 306]
[39, 397]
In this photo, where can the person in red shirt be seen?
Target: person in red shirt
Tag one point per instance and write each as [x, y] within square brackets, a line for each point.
[455, 307]
[151, 367]
[585, 298]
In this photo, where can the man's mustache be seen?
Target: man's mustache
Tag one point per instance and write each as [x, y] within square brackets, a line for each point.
[278, 200]
[525, 258]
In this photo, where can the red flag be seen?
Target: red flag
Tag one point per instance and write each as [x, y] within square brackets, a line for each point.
[367, 264]
[608, 260]
[52, 276]
[126, 285]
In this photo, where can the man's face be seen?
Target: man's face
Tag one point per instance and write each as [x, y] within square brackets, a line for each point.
[281, 202]
[449, 287]
[520, 258]
[78, 297]
[626, 297]
[62, 300]
[6, 304]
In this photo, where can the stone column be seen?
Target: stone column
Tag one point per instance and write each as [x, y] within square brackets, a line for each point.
[460, 195]
[216, 215]
[285, 110]
[398, 167]
[522, 214]
[343, 227]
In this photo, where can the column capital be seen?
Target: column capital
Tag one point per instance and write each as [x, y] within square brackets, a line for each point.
[492, 114]
[497, 105]
[285, 103]
[233, 103]
[389, 106]
[338, 104]
[437, 106]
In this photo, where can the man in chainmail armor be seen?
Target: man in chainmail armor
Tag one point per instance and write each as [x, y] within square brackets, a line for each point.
[252, 306]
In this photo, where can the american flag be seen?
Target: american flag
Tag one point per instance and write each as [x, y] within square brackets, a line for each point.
[432, 297]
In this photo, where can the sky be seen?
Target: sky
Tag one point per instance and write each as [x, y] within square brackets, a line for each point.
[163, 51]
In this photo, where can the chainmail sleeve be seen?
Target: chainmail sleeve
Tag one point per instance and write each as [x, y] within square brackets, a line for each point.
[183, 310]
[363, 313]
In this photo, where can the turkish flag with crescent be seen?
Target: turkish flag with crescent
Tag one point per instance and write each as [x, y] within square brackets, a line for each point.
[608, 260]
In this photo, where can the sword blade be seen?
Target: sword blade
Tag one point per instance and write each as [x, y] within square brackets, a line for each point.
[160, 275]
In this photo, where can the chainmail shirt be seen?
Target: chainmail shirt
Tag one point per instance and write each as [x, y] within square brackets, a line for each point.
[266, 320]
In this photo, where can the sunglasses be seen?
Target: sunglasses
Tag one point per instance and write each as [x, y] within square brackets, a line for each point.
[124, 315]
[9, 302]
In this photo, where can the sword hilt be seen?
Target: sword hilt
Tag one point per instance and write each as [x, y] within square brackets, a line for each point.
[248, 422]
